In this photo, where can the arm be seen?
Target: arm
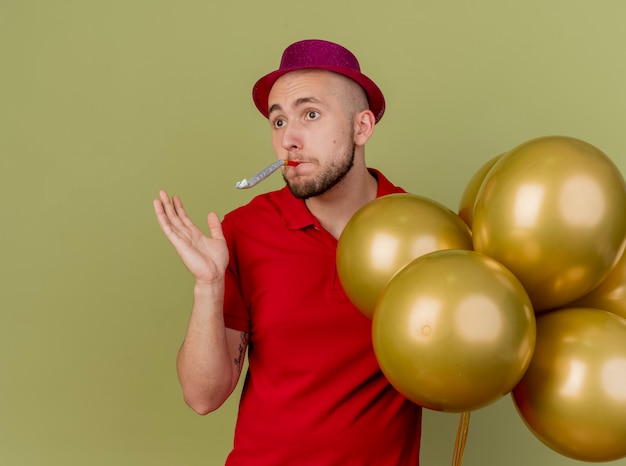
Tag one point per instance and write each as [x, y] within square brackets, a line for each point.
[211, 357]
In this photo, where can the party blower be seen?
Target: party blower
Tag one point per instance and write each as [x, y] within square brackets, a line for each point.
[256, 179]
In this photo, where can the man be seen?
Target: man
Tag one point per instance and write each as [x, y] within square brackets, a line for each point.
[266, 283]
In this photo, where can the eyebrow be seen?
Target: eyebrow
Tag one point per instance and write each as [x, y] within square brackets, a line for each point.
[297, 103]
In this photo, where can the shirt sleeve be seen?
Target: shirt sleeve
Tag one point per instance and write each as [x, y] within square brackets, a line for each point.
[236, 314]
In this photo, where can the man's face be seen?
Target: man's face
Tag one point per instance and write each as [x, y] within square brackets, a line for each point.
[311, 124]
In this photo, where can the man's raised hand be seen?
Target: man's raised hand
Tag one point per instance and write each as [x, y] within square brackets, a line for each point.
[205, 257]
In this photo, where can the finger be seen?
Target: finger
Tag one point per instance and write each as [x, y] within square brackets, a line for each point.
[170, 211]
[168, 220]
[162, 218]
[182, 213]
[215, 226]
[158, 206]
[167, 204]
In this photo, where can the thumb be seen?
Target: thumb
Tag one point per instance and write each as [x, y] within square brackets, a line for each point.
[215, 226]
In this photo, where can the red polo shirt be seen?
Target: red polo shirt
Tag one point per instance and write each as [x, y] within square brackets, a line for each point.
[314, 393]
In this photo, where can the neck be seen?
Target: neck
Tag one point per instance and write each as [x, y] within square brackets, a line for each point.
[334, 208]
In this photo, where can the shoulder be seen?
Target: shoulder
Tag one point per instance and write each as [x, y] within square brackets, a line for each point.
[260, 206]
[384, 185]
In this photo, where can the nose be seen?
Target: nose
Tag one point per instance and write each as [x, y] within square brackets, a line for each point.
[291, 137]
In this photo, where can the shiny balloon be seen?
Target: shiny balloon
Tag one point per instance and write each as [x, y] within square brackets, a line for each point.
[573, 395]
[610, 294]
[468, 198]
[553, 211]
[454, 331]
[385, 235]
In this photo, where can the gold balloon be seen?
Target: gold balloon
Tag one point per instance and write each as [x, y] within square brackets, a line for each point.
[610, 295]
[385, 235]
[573, 395]
[454, 331]
[468, 198]
[553, 211]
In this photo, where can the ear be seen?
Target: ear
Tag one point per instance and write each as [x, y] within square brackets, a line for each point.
[364, 122]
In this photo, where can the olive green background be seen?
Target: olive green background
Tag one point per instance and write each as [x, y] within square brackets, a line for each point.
[104, 102]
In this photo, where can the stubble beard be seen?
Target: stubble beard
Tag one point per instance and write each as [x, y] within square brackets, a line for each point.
[330, 177]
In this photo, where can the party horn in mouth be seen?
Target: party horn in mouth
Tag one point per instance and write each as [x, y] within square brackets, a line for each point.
[256, 179]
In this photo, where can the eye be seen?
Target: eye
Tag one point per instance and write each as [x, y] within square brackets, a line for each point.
[312, 115]
[279, 123]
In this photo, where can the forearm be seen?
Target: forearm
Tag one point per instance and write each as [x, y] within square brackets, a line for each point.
[206, 370]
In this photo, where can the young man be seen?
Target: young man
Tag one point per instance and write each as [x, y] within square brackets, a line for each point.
[266, 283]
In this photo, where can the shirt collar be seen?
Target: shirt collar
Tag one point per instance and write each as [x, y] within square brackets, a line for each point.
[297, 216]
